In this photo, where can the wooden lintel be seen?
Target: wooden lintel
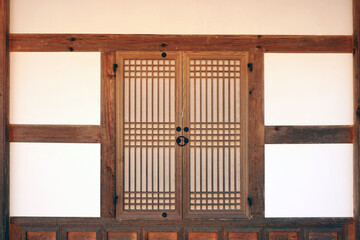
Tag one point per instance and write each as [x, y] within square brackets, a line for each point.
[309, 134]
[55, 133]
[119, 42]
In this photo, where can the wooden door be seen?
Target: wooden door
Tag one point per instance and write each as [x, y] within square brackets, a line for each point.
[149, 162]
[182, 128]
[215, 112]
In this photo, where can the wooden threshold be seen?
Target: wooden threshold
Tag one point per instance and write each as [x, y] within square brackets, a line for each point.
[309, 134]
[55, 133]
[142, 42]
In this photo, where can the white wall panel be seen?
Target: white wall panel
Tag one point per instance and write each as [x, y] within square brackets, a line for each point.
[182, 16]
[55, 180]
[55, 88]
[309, 180]
[308, 89]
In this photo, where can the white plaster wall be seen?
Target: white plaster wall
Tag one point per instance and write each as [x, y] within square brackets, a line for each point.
[309, 180]
[308, 89]
[55, 88]
[318, 17]
[55, 179]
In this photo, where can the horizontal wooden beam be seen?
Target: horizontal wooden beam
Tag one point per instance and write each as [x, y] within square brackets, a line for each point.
[309, 134]
[112, 222]
[55, 133]
[113, 42]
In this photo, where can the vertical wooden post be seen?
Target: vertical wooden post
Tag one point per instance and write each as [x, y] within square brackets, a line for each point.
[4, 119]
[356, 67]
[107, 134]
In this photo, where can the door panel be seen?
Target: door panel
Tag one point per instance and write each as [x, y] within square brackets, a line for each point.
[149, 161]
[216, 156]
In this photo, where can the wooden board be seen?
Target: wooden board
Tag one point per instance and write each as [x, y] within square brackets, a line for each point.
[138, 42]
[54, 133]
[4, 118]
[309, 134]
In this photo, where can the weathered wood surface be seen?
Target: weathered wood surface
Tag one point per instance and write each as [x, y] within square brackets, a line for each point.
[356, 75]
[55, 133]
[107, 134]
[120, 42]
[309, 134]
[256, 134]
[4, 119]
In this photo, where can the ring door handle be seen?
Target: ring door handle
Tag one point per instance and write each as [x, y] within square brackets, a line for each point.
[182, 141]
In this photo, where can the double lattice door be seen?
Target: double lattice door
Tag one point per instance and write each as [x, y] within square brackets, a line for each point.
[181, 134]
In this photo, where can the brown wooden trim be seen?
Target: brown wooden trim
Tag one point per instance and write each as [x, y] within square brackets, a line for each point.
[55, 133]
[107, 134]
[309, 134]
[4, 118]
[356, 75]
[256, 134]
[46, 222]
[141, 42]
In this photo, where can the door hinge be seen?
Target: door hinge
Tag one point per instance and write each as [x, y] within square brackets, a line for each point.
[115, 199]
[115, 66]
[250, 201]
[250, 66]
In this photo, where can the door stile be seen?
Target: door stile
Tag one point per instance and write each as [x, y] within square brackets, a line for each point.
[149, 165]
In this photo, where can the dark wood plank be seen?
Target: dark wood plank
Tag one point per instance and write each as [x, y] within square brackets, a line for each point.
[322, 236]
[107, 134]
[41, 236]
[256, 134]
[122, 236]
[309, 134]
[16, 232]
[119, 42]
[162, 235]
[203, 236]
[55, 133]
[283, 236]
[356, 75]
[4, 118]
[81, 236]
[243, 236]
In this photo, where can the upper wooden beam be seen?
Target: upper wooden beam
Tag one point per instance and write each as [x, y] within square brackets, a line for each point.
[118, 42]
[4, 119]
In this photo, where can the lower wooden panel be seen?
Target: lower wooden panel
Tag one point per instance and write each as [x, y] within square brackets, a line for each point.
[202, 236]
[242, 236]
[82, 236]
[162, 236]
[122, 236]
[283, 236]
[41, 236]
[323, 236]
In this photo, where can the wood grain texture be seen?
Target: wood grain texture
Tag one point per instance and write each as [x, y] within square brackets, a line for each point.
[356, 76]
[309, 134]
[162, 236]
[41, 236]
[323, 236]
[202, 236]
[107, 134]
[256, 134]
[4, 118]
[243, 236]
[283, 236]
[81, 236]
[55, 133]
[121, 42]
[17, 233]
[122, 236]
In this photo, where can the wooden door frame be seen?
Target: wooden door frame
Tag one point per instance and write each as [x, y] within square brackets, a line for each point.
[107, 44]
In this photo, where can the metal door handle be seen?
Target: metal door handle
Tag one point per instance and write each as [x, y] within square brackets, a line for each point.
[182, 141]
